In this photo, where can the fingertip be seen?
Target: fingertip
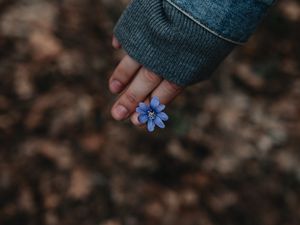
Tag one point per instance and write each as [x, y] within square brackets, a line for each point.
[123, 74]
[119, 112]
[115, 86]
[114, 114]
[134, 120]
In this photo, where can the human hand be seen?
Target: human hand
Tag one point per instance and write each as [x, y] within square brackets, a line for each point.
[134, 84]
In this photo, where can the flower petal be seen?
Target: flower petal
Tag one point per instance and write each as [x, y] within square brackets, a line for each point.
[143, 107]
[140, 110]
[163, 116]
[154, 102]
[159, 122]
[143, 118]
[160, 108]
[150, 125]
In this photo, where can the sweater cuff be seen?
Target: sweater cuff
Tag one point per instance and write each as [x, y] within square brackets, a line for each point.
[169, 43]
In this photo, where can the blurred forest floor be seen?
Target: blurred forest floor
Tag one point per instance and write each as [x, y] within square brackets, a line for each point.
[230, 154]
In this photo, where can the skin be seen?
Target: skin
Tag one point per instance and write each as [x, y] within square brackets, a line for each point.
[134, 83]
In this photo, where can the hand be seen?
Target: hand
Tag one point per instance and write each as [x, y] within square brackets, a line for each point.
[135, 84]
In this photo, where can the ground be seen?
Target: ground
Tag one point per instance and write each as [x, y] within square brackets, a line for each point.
[229, 155]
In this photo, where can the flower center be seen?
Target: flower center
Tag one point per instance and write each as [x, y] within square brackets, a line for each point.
[151, 115]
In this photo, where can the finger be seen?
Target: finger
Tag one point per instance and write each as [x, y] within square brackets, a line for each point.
[142, 85]
[166, 92]
[123, 73]
[115, 43]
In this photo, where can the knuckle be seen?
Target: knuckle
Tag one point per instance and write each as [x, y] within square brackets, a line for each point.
[150, 76]
[130, 97]
[171, 87]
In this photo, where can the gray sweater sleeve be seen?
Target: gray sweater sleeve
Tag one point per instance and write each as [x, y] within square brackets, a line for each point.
[167, 40]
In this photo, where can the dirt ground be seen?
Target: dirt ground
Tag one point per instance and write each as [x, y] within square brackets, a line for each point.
[230, 154]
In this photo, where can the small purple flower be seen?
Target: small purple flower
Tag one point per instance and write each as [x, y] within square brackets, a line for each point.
[152, 114]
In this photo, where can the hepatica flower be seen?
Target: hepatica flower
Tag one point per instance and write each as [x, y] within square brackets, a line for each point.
[152, 114]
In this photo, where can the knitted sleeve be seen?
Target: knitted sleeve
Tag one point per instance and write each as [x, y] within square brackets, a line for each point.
[184, 41]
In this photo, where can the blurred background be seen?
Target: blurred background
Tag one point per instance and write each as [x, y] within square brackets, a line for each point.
[230, 154]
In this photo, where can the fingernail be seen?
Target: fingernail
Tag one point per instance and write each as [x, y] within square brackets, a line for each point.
[121, 112]
[115, 86]
[135, 120]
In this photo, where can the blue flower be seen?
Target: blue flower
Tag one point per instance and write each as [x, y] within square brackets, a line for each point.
[152, 114]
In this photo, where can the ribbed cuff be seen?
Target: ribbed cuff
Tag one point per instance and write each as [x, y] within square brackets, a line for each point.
[168, 43]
